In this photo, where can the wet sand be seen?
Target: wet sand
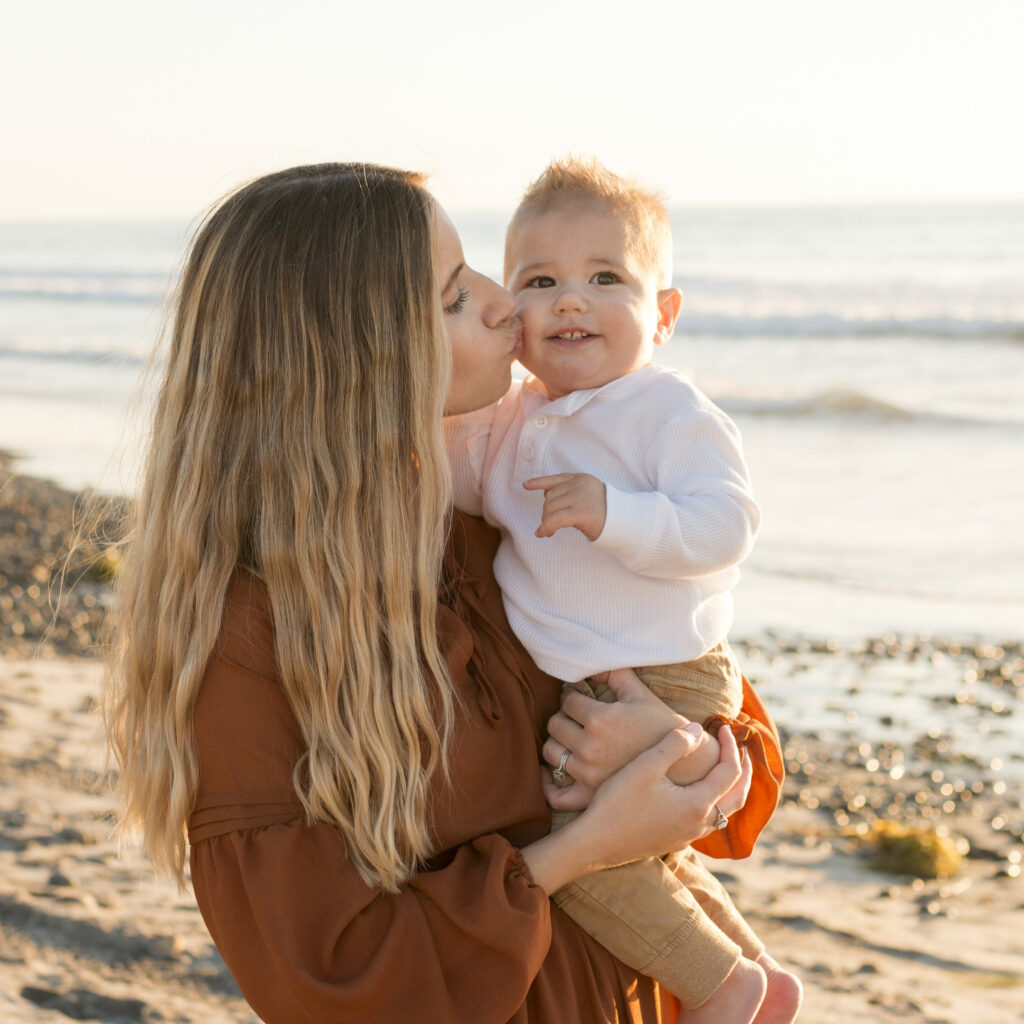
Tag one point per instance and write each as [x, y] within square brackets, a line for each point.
[914, 731]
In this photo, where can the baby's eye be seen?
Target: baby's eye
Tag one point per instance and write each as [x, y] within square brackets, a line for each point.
[604, 277]
[540, 282]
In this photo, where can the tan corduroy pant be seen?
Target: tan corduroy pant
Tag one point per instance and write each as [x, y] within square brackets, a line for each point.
[671, 919]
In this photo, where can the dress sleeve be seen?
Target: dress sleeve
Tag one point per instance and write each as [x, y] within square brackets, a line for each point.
[308, 940]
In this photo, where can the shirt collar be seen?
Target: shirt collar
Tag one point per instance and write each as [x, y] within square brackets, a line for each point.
[621, 388]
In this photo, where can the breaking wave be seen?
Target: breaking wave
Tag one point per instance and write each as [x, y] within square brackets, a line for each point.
[847, 404]
[828, 325]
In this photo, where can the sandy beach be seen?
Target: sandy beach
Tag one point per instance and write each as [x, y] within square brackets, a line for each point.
[86, 933]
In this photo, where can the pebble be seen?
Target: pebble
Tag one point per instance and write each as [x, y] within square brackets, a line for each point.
[49, 604]
[166, 946]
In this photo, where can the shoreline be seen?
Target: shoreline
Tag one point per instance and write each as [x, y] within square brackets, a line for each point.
[896, 729]
[38, 515]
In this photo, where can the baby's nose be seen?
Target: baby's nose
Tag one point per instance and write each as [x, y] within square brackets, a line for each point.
[569, 300]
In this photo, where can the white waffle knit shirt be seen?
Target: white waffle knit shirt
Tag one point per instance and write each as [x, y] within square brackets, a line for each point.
[655, 587]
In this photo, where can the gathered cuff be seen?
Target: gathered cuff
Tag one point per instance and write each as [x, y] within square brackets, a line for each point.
[518, 869]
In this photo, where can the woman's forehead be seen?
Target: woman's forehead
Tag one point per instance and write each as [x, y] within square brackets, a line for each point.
[449, 246]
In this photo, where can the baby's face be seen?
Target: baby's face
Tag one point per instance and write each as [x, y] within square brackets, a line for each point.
[589, 307]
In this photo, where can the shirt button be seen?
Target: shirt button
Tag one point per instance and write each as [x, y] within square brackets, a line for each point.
[528, 452]
[540, 422]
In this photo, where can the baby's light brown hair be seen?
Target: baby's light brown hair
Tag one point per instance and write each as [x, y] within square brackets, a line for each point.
[585, 182]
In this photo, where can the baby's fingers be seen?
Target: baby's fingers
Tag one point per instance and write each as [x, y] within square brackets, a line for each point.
[543, 483]
[555, 521]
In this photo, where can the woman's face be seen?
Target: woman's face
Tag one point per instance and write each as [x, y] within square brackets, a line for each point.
[485, 336]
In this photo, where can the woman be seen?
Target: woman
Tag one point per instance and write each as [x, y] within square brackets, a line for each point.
[314, 670]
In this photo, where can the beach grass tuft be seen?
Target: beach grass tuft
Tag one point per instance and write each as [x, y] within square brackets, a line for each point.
[911, 850]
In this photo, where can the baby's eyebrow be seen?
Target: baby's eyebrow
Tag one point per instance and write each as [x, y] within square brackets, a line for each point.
[544, 265]
[531, 268]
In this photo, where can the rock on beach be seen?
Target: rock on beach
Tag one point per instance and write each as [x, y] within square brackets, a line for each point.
[52, 547]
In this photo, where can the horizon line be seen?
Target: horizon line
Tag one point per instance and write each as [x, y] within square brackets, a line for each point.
[12, 219]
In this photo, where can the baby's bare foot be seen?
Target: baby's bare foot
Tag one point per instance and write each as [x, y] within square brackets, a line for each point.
[784, 996]
[735, 1001]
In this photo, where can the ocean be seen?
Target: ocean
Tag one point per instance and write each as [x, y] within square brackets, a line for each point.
[872, 356]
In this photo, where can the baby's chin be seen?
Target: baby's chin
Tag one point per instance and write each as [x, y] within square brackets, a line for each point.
[560, 385]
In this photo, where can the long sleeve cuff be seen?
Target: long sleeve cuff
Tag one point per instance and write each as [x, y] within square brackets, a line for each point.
[629, 518]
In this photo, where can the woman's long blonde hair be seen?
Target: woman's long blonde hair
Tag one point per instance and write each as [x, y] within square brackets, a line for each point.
[297, 433]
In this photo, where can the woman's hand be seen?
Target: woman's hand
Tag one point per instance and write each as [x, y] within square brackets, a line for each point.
[602, 738]
[661, 815]
[639, 813]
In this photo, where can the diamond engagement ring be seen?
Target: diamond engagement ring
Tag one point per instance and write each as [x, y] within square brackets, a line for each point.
[721, 821]
[560, 775]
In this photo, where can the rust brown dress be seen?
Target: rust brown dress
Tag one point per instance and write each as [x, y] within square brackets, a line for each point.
[471, 940]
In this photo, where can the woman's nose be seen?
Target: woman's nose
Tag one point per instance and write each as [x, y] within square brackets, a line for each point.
[501, 304]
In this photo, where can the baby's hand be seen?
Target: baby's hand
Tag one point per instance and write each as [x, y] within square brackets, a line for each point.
[698, 762]
[571, 499]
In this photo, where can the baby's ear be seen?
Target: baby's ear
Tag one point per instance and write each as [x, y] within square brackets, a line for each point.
[670, 301]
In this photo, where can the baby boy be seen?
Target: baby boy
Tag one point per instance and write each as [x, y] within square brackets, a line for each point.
[625, 508]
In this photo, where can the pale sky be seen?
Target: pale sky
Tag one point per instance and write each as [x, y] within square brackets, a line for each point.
[124, 108]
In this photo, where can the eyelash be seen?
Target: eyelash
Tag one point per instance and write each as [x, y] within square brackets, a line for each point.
[460, 301]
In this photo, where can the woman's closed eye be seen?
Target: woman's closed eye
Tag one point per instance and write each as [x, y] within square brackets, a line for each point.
[460, 301]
